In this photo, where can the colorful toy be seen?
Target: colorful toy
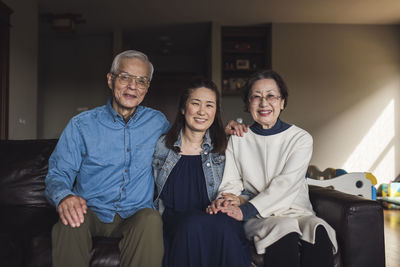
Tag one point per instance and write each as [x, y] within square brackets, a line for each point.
[390, 194]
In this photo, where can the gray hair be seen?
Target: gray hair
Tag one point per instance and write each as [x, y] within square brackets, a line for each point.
[131, 54]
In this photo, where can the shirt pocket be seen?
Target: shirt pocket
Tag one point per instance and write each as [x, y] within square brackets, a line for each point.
[105, 154]
[143, 156]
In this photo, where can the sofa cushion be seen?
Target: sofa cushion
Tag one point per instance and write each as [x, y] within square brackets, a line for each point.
[23, 167]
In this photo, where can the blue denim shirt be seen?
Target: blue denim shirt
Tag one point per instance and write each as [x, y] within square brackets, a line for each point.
[107, 161]
[164, 161]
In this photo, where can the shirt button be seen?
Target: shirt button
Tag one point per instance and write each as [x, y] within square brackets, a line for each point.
[208, 164]
[126, 170]
[211, 183]
[123, 188]
[128, 150]
[205, 153]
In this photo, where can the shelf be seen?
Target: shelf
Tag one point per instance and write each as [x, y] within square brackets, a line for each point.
[233, 51]
[245, 50]
[238, 72]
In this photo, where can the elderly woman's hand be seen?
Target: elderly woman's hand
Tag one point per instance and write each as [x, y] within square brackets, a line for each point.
[235, 128]
[233, 211]
[226, 199]
[231, 199]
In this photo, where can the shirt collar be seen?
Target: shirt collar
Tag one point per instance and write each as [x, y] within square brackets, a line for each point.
[278, 127]
[206, 145]
[117, 117]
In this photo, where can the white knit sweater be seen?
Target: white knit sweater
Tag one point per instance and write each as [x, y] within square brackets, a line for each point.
[271, 169]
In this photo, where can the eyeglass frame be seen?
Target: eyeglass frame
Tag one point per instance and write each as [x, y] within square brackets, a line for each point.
[131, 78]
[270, 98]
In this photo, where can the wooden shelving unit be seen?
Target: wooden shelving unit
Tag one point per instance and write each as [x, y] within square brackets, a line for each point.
[245, 50]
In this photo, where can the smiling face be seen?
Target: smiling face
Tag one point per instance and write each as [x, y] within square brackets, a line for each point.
[264, 111]
[200, 110]
[127, 97]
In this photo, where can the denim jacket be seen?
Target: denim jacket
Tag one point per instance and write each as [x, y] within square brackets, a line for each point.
[164, 160]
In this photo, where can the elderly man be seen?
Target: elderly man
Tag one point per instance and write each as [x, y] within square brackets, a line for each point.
[100, 177]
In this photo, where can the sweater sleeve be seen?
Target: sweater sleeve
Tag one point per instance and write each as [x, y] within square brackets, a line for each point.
[232, 180]
[248, 211]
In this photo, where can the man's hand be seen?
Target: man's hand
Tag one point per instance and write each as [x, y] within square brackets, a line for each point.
[235, 128]
[71, 210]
[233, 211]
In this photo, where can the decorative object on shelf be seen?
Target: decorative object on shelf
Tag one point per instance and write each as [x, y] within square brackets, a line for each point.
[242, 64]
[242, 46]
[235, 84]
[225, 83]
[229, 66]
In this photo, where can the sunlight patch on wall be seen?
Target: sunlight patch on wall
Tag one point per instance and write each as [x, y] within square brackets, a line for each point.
[385, 171]
[373, 144]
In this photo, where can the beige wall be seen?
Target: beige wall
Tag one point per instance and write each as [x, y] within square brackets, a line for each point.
[72, 78]
[344, 86]
[23, 69]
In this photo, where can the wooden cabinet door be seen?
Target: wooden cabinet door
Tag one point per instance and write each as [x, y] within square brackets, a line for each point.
[5, 13]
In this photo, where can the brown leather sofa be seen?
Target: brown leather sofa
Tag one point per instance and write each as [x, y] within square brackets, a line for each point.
[27, 218]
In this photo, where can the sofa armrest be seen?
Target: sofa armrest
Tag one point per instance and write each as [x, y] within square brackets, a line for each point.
[358, 223]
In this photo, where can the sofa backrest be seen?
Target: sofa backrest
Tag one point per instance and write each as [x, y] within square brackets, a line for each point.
[23, 168]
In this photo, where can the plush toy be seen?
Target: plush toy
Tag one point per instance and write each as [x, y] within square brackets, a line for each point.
[314, 173]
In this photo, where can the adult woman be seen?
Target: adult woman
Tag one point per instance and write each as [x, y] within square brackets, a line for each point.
[265, 176]
[188, 165]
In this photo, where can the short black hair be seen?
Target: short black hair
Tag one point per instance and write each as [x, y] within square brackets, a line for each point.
[265, 74]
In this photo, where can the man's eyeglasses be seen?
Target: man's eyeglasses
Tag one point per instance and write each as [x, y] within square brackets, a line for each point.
[270, 98]
[125, 79]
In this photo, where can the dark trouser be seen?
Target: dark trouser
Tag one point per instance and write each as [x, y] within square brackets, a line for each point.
[141, 243]
[290, 251]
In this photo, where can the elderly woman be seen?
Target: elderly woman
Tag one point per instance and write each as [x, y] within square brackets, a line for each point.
[188, 165]
[264, 182]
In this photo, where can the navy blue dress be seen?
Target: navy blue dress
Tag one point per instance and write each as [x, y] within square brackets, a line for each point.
[192, 237]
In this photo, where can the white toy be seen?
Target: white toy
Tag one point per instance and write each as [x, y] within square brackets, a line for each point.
[355, 183]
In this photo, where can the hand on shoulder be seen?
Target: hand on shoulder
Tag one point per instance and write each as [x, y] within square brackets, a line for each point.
[235, 128]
